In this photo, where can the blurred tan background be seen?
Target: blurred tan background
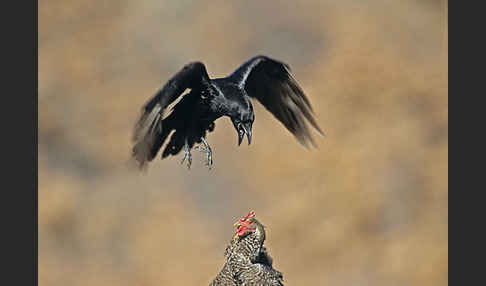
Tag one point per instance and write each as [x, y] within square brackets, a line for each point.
[368, 207]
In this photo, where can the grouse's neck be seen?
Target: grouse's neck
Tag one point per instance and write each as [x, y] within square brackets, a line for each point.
[260, 231]
[251, 244]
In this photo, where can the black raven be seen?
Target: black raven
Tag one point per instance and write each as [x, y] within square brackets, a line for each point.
[263, 78]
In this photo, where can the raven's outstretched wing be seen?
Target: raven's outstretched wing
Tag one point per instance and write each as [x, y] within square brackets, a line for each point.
[270, 82]
[149, 134]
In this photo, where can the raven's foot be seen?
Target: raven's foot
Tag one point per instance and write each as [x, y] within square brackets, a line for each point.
[209, 154]
[187, 155]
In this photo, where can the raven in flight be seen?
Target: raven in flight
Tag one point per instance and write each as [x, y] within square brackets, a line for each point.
[263, 78]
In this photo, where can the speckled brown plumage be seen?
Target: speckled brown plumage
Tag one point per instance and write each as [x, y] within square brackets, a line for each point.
[248, 262]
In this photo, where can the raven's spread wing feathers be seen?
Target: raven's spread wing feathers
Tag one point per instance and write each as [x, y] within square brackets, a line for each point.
[149, 134]
[270, 82]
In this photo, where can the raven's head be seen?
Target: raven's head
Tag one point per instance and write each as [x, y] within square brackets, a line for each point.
[243, 125]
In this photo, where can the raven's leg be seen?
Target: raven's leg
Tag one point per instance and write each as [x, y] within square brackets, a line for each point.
[209, 153]
[187, 154]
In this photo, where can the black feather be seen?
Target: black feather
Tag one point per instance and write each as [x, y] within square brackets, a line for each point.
[187, 118]
[270, 82]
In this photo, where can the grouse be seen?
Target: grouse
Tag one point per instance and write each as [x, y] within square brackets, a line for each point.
[247, 260]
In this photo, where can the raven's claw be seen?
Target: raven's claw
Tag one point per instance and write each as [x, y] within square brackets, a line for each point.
[187, 154]
[209, 154]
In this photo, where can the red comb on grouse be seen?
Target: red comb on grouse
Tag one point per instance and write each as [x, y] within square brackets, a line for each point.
[250, 214]
[244, 224]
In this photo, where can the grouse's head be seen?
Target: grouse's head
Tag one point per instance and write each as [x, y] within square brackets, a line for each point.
[246, 225]
[243, 125]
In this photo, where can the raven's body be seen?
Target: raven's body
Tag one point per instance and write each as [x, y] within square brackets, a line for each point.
[209, 99]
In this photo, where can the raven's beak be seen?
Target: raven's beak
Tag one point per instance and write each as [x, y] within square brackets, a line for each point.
[247, 129]
[241, 134]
